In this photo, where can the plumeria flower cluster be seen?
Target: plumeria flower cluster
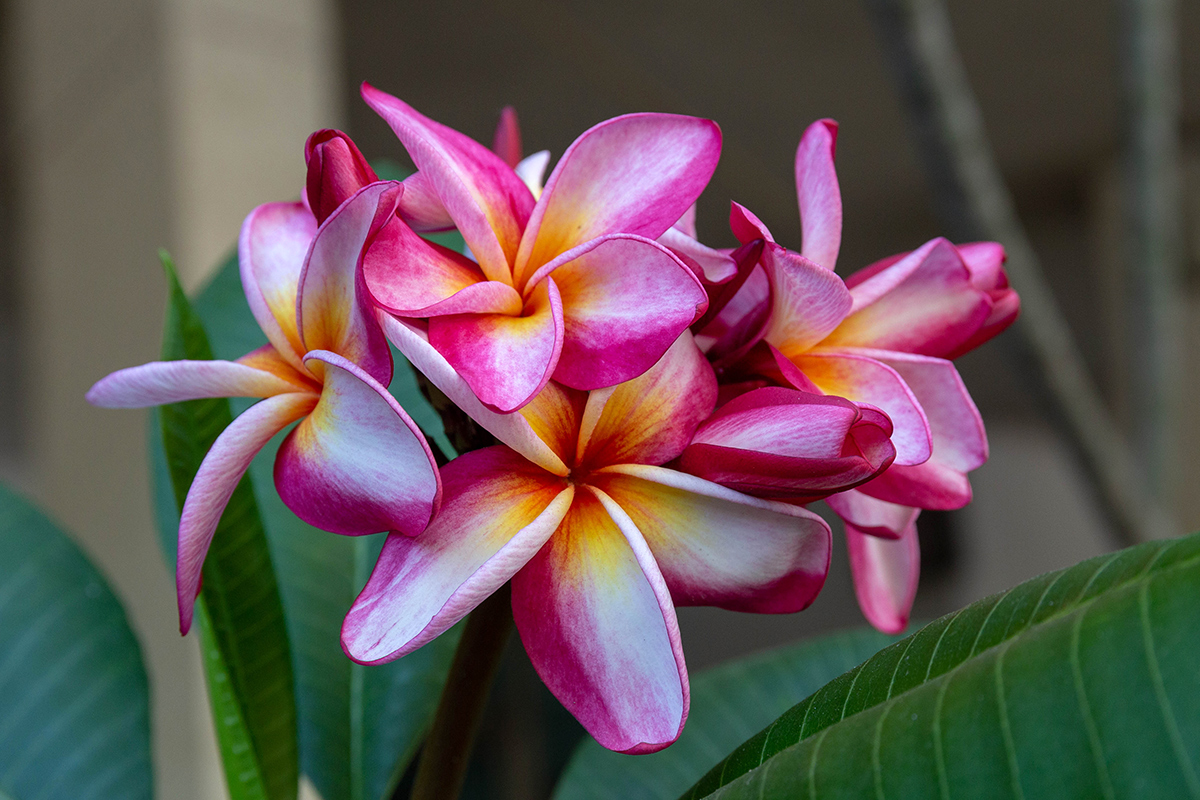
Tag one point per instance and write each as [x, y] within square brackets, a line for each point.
[663, 411]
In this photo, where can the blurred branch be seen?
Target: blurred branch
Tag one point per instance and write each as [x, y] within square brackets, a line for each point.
[976, 203]
[1153, 250]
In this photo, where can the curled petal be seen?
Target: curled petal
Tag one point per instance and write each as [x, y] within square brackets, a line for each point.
[357, 464]
[512, 429]
[489, 204]
[711, 266]
[334, 308]
[412, 277]
[819, 194]
[784, 444]
[863, 379]
[597, 622]
[272, 246]
[215, 481]
[625, 300]
[505, 359]
[924, 303]
[633, 174]
[885, 572]
[162, 382]
[497, 512]
[336, 170]
[985, 261]
[651, 419]
[719, 547]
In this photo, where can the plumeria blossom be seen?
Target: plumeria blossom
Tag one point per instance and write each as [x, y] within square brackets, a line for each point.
[356, 463]
[882, 340]
[566, 282]
[600, 540]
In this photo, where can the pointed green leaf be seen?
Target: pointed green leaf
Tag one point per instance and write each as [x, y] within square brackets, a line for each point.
[359, 726]
[243, 636]
[74, 702]
[1081, 683]
[729, 703]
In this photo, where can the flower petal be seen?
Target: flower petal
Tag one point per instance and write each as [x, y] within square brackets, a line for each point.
[489, 204]
[215, 481]
[634, 174]
[819, 195]
[808, 301]
[505, 359]
[506, 142]
[873, 517]
[512, 429]
[651, 419]
[625, 300]
[334, 308]
[597, 622]
[336, 170]
[712, 266]
[783, 444]
[357, 464]
[532, 170]
[412, 277]
[985, 261]
[924, 303]
[862, 379]
[421, 208]
[555, 415]
[886, 572]
[272, 247]
[497, 512]
[717, 547]
[162, 382]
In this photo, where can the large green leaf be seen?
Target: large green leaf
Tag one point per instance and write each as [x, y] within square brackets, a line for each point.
[1082, 683]
[74, 704]
[243, 636]
[359, 726]
[729, 703]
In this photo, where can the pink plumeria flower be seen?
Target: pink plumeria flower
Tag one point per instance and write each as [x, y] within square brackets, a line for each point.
[881, 340]
[569, 284]
[600, 541]
[356, 463]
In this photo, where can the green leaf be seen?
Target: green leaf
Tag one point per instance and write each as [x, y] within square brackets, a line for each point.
[359, 726]
[243, 636]
[74, 702]
[729, 703]
[1081, 683]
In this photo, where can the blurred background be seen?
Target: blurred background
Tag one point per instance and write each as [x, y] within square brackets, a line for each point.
[133, 124]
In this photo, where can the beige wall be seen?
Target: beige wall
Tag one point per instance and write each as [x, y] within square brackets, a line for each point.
[142, 123]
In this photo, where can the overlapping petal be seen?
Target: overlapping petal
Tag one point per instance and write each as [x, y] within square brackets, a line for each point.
[596, 619]
[718, 547]
[357, 464]
[651, 419]
[506, 360]
[634, 174]
[808, 303]
[497, 512]
[819, 195]
[334, 310]
[625, 300]
[866, 380]
[784, 444]
[272, 247]
[215, 481]
[336, 170]
[489, 204]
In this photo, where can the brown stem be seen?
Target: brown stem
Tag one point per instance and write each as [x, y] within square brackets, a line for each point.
[443, 764]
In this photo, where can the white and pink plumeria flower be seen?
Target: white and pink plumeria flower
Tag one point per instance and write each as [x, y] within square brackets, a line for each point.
[600, 540]
[356, 463]
[570, 284]
[882, 340]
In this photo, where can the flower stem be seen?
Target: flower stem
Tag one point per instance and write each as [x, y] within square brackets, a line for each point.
[444, 758]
